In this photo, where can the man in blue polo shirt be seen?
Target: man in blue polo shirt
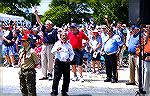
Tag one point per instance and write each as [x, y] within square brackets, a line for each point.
[111, 49]
[50, 37]
[132, 44]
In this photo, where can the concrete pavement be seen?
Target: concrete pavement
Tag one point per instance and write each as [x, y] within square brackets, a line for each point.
[92, 86]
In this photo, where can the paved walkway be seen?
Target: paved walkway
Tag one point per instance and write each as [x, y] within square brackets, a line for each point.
[93, 85]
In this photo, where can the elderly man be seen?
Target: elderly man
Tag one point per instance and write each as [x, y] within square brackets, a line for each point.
[63, 55]
[111, 50]
[133, 43]
[50, 37]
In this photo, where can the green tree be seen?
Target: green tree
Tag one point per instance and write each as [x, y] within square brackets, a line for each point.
[61, 11]
[116, 10]
[14, 7]
[64, 11]
[57, 14]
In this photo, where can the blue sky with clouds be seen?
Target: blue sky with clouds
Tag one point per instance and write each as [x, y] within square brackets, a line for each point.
[43, 6]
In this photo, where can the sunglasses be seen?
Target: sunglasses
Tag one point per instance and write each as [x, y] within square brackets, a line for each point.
[23, 41]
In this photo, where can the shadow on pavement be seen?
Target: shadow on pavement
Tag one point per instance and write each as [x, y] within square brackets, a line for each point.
[123, 81]
[89, 80]
[81, 95]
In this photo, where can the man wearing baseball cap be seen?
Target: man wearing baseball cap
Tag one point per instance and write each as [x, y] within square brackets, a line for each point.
[133, 42]
[49, 39]
[75, 36]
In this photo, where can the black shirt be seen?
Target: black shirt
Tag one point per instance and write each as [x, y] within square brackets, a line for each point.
[49, 37]
[9, 37]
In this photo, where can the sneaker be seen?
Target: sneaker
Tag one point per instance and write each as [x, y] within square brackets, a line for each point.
[5, 63]
[53, 94]
[50, 76]
[107, 80]
[81, 79]
[129, 83]
[16, 66]
[114, 80]
[9, 65]
[75, 78]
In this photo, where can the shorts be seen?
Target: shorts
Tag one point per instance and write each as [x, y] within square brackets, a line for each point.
[78, 57]
[85, 54]
[9, 50]
[97, 57]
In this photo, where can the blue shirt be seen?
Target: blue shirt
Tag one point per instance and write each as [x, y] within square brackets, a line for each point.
[49, 37]
[33, 40]
[120, 33]
[18, 40]
[133, 42]
[112, 45]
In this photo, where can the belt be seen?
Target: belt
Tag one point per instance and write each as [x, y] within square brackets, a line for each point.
[77, 49]
[58, 61]
[47, 44]
[24, 70]
[147, 54]
[109, 53]
[63, 61]
[132, 53]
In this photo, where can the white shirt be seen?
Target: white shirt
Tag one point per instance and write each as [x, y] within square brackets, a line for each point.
[127, 37]
[65, 53]
[6, 33]
[104, 37]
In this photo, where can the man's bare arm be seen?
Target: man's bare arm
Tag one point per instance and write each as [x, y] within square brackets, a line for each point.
[38, 18]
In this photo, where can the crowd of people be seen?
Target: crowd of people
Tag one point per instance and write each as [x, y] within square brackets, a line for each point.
[56, 49]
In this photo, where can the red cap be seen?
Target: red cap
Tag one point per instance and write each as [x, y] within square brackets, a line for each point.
[10, 27]
[24, 38]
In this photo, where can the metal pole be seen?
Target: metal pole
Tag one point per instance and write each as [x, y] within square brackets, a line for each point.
[141, 91]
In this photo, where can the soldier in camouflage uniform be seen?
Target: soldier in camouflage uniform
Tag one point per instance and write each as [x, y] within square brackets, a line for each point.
[27, 74]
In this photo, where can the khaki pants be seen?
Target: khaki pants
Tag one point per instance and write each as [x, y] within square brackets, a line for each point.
[47, 59]
[147, 78]
[133, 67]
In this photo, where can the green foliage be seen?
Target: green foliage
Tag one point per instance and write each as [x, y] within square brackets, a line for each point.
[13, 7]
[58, 14]
[61, 11]
[116, 10]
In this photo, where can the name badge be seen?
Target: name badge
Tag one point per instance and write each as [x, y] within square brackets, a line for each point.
[50, 33]
[34, 37]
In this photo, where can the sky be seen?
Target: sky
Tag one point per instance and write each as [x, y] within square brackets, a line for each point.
[43, 6]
